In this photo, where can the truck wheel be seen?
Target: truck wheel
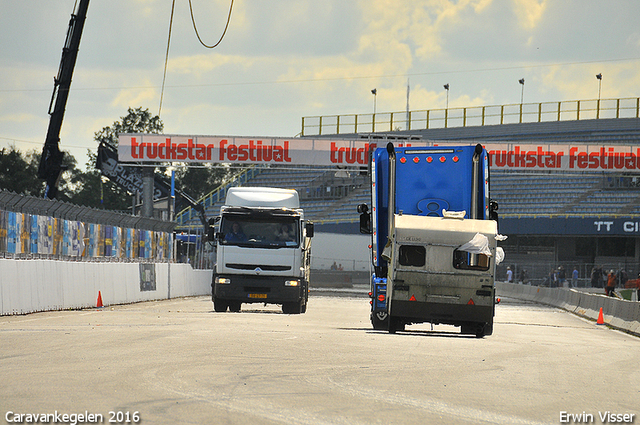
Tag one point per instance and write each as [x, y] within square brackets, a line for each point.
[220, 306]
[292, 308]
[380, 320]
[235, 306]
[477, 329]
[486, 329]
[395, 325]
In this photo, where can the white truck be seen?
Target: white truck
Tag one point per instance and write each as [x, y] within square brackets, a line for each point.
[263, 250]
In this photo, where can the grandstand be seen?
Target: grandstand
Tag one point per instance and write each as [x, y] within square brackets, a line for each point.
[552, 218]
[328, 197]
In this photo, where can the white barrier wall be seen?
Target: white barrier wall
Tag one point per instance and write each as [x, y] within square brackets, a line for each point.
[617, 313]
[27, 286]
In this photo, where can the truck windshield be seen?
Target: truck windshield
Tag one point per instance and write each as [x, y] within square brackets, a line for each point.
[263, 232]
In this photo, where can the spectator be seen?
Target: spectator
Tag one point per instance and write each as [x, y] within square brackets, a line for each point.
[509, 275]
[562, 276]
[622, 278]
[611, 284]
[574, 277]
[523, 276]
[595, 279]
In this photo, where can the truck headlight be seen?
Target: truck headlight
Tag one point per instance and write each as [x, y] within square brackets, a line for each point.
[223, 280]
[291, 283]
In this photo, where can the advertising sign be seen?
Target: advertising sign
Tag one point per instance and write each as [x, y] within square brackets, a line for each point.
[327, 152]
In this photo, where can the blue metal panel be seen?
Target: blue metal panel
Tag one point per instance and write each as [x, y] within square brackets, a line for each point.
[431, 179]
[428, 180]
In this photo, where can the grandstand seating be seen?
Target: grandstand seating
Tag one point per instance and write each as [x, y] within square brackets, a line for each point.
[327, 199]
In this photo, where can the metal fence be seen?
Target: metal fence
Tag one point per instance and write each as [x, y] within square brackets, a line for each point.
[546, 273]
[472, 116]
[40, 228]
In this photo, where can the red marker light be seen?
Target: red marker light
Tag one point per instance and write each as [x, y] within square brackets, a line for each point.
[456, 159]
[471, 302]
[381, 297]
[413, 298]
[416, 159]
[429, 159]
[403, 159]
[443, 159]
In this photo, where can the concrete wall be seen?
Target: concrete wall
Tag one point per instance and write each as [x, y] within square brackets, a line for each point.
[617, 313]
[27, 286]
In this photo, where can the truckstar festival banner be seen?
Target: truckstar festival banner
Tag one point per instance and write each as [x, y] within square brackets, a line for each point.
[327, 152]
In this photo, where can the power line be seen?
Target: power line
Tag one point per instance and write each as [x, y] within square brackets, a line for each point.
[223, 33]
[311, 80]
[193, 20]
[166, 57]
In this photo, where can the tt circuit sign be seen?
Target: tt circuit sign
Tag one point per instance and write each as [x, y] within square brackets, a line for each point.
[327, 152]
[606, 226]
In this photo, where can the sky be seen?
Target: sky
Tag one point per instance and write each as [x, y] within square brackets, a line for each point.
[281, 60]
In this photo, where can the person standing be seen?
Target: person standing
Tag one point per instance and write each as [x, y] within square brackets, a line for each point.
[611, 284]
[594, 277]
[574, 277]
[509, 275]
[562, 277]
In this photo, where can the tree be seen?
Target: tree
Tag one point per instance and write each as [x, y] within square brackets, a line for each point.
[199, 181]
[136, 121]
[19, 173]
[98, 192]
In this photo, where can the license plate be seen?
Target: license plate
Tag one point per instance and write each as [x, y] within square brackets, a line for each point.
[257, 295]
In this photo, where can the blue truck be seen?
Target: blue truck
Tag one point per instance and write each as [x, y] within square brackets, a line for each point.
[433, 238]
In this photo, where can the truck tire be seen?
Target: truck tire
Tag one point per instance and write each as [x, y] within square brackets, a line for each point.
[487, 330]
[395, 324]
[380, 321]
[220, 306]
[294, 308]
[477, 329]
[235, 306]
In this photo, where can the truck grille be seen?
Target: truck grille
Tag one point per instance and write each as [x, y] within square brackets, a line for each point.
[265, 267]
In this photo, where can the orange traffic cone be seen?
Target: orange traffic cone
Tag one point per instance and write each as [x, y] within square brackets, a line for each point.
[600, 318]
[100, 300]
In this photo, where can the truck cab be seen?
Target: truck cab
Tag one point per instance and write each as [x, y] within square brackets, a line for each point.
[434, 233]
[263, 250]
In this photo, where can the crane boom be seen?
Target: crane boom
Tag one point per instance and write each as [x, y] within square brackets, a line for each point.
[50, 166]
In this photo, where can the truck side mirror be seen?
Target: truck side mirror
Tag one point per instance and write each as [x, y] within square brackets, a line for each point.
[493, 210]
[308, 227]
[211, 230]
[219, 236]
[365, 219]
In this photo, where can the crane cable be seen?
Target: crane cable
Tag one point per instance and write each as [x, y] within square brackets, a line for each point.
[223, 33]
[166, 58]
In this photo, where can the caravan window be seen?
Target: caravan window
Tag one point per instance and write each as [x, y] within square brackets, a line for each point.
[412, 255]
[466, 261]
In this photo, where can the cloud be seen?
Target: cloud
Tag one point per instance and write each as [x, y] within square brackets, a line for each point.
[529, 12]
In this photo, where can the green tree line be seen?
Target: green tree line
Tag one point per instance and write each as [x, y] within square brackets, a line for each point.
[19, 170]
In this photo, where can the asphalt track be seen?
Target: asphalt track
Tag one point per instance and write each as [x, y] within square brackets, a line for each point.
[178, 362]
